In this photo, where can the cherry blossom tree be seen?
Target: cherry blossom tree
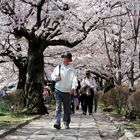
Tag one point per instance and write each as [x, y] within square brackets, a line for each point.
[42, 23]
[134, 23]
[112, 49]
[121, 45]
[52, 23]
[15, 54]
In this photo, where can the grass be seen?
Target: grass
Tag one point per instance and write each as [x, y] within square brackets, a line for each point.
[135, 124]
[14, 117]
[131, 124]
[9, 118]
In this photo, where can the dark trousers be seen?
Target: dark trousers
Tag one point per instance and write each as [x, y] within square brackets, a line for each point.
[72, 104]
[62, 98]
[95, 99]
[87, 103]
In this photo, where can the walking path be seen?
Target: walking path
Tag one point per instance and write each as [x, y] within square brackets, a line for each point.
[82, 127]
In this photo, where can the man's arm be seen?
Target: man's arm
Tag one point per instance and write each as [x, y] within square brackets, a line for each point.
[55, 76]
[74, 83]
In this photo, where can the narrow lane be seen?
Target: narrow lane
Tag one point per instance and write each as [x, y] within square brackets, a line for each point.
[82, 127]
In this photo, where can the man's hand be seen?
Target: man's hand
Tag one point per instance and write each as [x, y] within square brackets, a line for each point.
[85, 86]
[72, 91]
[75, 93]
[58, 78]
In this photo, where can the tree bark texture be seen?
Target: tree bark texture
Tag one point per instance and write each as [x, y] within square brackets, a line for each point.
[35, 79]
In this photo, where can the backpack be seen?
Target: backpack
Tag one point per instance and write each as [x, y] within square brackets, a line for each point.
[51, 83]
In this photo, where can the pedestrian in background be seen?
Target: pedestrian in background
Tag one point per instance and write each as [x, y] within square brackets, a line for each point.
[77, 97]
[88, 88]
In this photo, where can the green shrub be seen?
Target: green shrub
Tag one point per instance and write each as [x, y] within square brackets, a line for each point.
[117, 97]
[134, 103]
[3, 106]
[15, 99]
[103, 98]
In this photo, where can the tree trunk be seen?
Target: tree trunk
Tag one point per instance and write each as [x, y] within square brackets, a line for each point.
[132, 76]
[35, 80]
[119, 78]
[22, 78]
[21, 83]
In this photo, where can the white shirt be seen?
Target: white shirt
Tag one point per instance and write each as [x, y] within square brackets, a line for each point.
[90, 82]
[68, 78]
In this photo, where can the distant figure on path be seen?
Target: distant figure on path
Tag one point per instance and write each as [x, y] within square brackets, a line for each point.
[88, 87]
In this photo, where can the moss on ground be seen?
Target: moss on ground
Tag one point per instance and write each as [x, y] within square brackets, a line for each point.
[9, 118]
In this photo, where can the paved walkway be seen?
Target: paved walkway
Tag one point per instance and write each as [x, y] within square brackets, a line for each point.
[82, 127]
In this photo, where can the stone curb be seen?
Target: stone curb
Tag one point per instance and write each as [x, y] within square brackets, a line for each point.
[14, 127]
[127, 133]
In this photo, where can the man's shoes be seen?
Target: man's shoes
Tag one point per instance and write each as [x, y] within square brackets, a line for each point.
[77, 108]
[72, 112]
[84, 113]
[95, 110]
[57, 126]
[66, 125]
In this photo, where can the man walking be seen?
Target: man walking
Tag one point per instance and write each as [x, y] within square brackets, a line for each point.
[66, 82]
[89, 87]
